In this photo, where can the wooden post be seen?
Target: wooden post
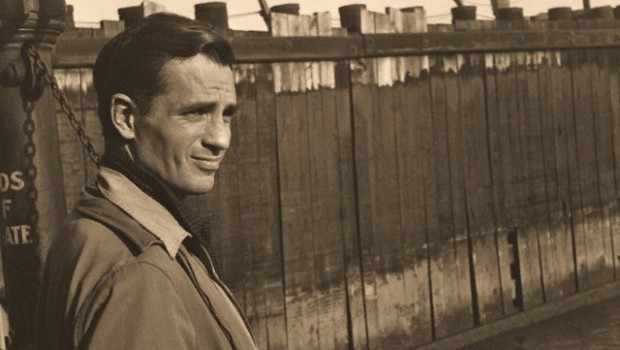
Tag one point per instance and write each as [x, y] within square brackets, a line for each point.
[560, 14]
[498, 4]
[214, 13]
[350, 18]
[510, 14]
[69, 22]
[32, 198]
[464, 13]
[579, 14]
[602, 12]
[131, 15]
[586, 5]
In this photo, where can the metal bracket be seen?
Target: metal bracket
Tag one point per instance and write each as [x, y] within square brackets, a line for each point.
[24, 73]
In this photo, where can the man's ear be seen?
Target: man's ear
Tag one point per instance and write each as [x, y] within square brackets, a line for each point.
[123, 113]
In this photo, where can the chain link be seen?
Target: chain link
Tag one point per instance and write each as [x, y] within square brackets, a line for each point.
[31, 169]
[64, 103]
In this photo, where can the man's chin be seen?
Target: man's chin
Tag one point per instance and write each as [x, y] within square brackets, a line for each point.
[195, 189]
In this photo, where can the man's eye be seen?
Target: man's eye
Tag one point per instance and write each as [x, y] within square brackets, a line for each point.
[204, 110]
[230, 111]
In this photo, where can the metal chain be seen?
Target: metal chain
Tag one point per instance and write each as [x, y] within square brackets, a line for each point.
[31, 169]
[64, 103]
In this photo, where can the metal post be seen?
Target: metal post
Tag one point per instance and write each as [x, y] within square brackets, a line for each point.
[32, 198]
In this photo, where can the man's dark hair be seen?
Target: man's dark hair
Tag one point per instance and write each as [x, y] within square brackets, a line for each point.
[130, 63]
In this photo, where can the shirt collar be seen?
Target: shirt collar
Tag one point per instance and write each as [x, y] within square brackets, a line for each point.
[145, 210]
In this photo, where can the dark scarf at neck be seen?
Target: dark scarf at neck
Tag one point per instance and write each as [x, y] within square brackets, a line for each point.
[118, 159]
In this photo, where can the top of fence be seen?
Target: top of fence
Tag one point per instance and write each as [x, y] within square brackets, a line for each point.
[293, 36]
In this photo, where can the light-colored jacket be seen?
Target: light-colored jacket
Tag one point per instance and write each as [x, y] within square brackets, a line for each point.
[111, 284]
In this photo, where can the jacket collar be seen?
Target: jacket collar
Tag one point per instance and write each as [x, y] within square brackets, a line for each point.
[145, 210]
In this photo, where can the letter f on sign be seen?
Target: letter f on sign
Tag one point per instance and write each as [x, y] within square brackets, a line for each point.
[6, 206]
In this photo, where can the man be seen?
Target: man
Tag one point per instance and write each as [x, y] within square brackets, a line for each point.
[128, 271]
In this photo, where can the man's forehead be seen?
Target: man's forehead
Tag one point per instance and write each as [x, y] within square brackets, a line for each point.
[199, 71]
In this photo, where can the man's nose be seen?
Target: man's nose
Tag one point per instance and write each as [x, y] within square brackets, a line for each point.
[217, 136]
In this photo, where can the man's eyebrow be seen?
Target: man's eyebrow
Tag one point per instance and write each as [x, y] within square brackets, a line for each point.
[207, 106]
[198, 106]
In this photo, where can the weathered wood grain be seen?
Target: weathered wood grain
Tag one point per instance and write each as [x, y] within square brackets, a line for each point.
[351, 242]
[413, 99]
[614, 92]
[498, 152]
[595, 237]
[559, 259]
[479, 188]
[600, 62]
[529, 207]
[415, 102]
[268, 253]
[444, 191]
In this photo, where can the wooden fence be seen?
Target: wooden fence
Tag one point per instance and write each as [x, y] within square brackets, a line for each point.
[397, 192]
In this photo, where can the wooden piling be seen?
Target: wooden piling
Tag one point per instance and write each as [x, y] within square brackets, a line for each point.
[214, 13]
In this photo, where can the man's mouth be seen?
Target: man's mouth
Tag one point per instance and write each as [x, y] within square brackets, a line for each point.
[208, 163]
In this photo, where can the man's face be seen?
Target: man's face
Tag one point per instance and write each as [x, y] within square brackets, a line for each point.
[186, 133]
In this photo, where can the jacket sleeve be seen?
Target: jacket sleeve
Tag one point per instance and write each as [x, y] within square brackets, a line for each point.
[135, 307]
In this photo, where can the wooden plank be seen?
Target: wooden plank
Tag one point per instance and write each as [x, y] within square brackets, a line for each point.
[614, 92]
[595, 237]
[387, 231]
[324, 153]
[281, 71]
[251, 211]
[82, 52]
[414, 96]
[464, 313]
[70, 147]
[560, 80]
[326, 180]
[576, 207]
[326, 226]
[268, 253]
[351, 241]
[297, 218]
[450, 279]
[296, 192]
[479, 187]
[497, 121]
[556, 177]
[532, 199]
[502, 79]
[601, 73]
[521, 252]
[365, 103]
